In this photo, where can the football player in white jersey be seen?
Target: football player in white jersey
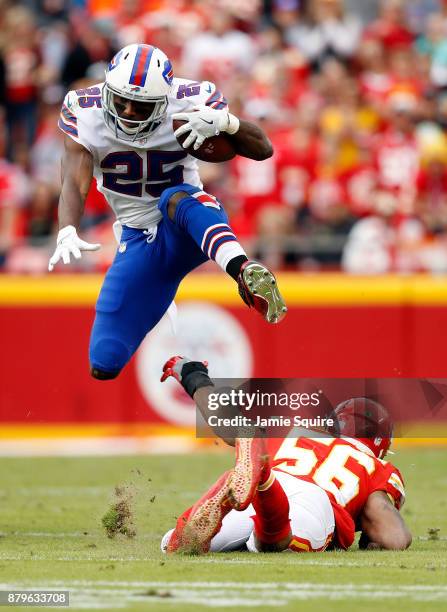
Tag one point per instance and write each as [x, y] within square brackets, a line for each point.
[121, 132]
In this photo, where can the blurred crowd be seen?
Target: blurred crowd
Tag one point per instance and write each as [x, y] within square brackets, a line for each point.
[352, 94]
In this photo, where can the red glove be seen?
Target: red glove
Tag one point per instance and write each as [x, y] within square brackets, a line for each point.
[190, 374]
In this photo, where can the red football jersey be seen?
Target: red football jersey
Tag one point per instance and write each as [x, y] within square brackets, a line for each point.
[396, 159]
[345, 468]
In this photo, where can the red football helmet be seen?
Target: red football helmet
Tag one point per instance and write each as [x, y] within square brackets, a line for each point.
[365, 420]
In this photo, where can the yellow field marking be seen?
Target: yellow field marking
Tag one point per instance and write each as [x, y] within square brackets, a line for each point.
[421, 429]
[97, 430]
[18, 431]
[299, 290]
[412, 442]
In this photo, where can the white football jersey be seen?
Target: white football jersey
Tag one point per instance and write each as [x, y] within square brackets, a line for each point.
[132, 175]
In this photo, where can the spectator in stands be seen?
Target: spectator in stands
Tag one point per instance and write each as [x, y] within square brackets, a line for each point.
[45, 159]
[22, 61]
[14, 195]
[130, 23]
[432, 36]
[396, 154]
[431, 197]
[274, 225]
[325, 31]
[369, 248]
[220, 52]
[285, 13]
[404, 71]
[433, 43]
[375, 79]
[92, 46]
[390, 27]
[346, 119]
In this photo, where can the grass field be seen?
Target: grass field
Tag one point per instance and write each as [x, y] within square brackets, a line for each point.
[52, 538]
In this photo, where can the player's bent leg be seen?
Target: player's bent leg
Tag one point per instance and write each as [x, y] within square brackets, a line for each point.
[311, 514]
[251, 462]
[108, 353]
[137, 290]
[202, 216]
[205, 526]
[233, 534]
[236, 528]
[272, 531]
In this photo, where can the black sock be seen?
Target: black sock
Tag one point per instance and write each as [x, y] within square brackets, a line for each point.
[234, 266]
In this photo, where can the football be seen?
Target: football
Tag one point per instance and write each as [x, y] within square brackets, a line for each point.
[215, 149]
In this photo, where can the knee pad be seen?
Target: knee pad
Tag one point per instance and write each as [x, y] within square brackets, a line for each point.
[108, 356]
[102, 374]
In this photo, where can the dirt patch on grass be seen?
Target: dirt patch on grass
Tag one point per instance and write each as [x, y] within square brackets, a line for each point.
[119, 517]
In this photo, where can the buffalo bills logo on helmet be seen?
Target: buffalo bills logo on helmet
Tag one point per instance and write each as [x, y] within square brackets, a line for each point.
[168, 73]
[115, 60]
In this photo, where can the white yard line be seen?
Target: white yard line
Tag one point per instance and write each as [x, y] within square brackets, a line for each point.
[81, 534]
[207, 584]
[292, 560]
[98, 594]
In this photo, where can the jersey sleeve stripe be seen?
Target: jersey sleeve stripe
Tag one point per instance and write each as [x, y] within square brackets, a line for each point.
[216, 97]
[397, 483]
[68, 129]
[68, 116]
[218, 101]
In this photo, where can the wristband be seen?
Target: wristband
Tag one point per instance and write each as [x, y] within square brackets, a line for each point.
[195, 376]
[233, 124]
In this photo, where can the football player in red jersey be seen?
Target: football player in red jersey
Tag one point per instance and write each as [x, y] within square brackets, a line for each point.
[301, 493]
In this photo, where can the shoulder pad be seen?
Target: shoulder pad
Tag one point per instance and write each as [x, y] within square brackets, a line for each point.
[199, 92]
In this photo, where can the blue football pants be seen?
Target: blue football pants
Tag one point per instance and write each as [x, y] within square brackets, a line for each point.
[144, 277]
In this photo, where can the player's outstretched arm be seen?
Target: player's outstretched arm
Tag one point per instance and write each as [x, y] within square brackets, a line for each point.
[193, 376]
[77, 174]
[382, 525]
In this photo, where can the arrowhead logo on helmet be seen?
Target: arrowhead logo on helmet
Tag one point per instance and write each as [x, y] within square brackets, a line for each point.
[141, 73]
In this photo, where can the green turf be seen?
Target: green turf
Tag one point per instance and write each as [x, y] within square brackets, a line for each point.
[52, 537]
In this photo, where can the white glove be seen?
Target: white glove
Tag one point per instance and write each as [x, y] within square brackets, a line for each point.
[69, 243]
[203, 123]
